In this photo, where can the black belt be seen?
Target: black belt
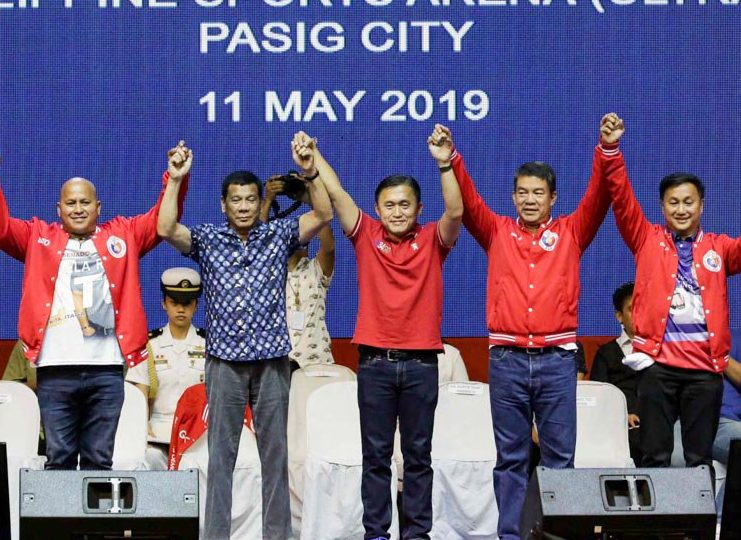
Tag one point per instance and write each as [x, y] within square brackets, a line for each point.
[394, 355]
[530, 350]
[77, 368]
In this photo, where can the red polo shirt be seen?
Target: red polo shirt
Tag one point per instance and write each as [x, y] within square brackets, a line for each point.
[401, 286]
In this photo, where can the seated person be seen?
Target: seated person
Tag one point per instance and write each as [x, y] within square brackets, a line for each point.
[18, 369]
[729, 427]
[608, 364]
[307, 283]
[176, 360]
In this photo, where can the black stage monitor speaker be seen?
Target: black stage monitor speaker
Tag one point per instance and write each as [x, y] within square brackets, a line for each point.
[730, 528]
[4, 494]
[108, 505]
[618, 504]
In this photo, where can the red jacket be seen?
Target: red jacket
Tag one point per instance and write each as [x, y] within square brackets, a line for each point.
[120, 242]
[191, 422]
[533, 279]
[715, 257]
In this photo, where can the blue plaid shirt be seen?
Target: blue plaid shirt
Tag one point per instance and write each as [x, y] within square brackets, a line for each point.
[245, 288]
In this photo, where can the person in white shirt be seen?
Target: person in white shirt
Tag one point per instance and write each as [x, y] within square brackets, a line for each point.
[307, 282]
[608, 364]
[176, 361]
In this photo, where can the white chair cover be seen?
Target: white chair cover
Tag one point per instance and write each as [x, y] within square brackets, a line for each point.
[246, 484]
[130, 446]
[333, 509]
[463, 457]
[601, 426]
[19, 430]
[450, 365]
[303, 383]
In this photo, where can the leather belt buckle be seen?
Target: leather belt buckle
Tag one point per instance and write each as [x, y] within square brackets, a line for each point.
[394, 355]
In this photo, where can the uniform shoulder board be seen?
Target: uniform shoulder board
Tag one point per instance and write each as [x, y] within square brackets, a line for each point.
[155, 333]
[201, 332]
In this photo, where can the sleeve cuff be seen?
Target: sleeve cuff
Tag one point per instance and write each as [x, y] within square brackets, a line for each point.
[356, 228]
[609, 149]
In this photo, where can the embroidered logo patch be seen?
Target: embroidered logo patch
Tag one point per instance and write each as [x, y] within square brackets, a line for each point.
[712, 261]
[549, 240]
[383, 247]
[116, 247]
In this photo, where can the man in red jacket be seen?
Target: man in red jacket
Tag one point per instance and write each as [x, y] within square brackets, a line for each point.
[81, 315]
[532, 294]
[680, 313]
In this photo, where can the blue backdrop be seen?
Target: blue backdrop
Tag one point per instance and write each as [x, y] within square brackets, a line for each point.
[103, 89]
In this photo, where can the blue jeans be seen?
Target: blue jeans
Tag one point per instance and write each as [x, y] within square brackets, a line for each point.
[523, 385]
[231, 386]
[728, 429]
[404, 389]
[80, 407]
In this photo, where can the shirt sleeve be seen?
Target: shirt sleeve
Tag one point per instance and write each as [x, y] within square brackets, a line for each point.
[288, 230]
[139, 374]
[360, 227]
[197, 237]
[443, 248]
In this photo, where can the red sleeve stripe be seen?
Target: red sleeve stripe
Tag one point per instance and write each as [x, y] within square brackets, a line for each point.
[356, 228]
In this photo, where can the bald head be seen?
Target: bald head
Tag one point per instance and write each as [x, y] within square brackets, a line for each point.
[78, 181]
[78, 207]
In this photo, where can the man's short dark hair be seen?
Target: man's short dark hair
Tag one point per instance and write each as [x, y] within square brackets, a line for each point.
[678, 178]
[240, 178]
[621, 295]
[540, 170]
[399, 180]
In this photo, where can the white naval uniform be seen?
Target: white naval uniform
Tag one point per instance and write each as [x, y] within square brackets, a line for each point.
[179, 364]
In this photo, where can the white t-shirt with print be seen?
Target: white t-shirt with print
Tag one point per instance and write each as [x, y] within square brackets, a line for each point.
[81, 285]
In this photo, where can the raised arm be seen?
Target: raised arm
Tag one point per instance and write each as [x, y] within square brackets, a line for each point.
[179, 160]
[347, 210]
[480, 221]
[630, 220]
[14, 233]
[144, 226]
[593, 207]
[303, 149]
[325, 255]
[440, 144]
[273, 187]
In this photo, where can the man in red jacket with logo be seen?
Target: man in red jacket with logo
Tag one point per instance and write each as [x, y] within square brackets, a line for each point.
[81, 315]
[680, 313]
[532, 294]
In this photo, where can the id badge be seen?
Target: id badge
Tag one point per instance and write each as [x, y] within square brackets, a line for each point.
[297, 320]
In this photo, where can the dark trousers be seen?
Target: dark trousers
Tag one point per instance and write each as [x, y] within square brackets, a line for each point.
[80, 407]
[666, 393]
[404, 389]
[231, 386]
[523, 385]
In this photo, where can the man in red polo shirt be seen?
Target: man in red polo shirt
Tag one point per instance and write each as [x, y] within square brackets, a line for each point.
[398, 331]
[532, 294]
[680, 314]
